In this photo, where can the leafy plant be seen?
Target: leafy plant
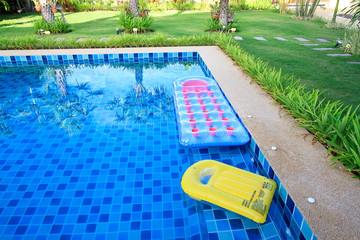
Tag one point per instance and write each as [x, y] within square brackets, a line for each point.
[215, 8]
[6, 5]
[258, 4]
[336, 25]
[351, 42]
[128, 21]
[214, 25]
[58, 26]
[354, 9]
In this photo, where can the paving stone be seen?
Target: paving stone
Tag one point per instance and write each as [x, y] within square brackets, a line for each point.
[323, 49]
[58, 39]
[280, 38]
[339, 54]
[354, 62]
[302, 39]
[103, 39]
[238, 38]
[80, 39]
[322, 40]
[260, 38]
[310, 44]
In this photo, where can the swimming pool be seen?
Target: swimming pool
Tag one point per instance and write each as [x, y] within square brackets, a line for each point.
[89, 150]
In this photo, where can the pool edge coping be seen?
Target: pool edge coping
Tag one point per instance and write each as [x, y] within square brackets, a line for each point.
[330, 217]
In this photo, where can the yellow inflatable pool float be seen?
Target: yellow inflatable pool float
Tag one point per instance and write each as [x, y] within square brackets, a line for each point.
[237, 190]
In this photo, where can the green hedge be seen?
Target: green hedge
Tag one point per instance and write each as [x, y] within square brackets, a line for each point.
[331, 123]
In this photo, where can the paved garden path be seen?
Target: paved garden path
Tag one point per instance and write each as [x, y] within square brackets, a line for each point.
[300, 39]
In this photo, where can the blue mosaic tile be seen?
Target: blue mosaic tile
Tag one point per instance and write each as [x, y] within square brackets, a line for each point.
[96, 183]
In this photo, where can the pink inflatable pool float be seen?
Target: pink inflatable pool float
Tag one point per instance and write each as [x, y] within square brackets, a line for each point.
[204, 115]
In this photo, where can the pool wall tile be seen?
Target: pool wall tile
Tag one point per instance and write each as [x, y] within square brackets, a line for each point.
[98, 59]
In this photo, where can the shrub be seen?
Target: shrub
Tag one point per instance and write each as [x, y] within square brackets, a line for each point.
[58, 26]
[128, 21]
[213, 25]
[258, 4]
[336, 25]
[351, 42]
[253, 4]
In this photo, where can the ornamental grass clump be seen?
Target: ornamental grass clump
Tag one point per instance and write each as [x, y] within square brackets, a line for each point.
[351, 42]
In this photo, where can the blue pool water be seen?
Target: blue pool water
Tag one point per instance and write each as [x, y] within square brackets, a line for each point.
[91, 151]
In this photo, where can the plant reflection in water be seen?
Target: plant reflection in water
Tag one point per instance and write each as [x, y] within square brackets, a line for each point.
[142, 104]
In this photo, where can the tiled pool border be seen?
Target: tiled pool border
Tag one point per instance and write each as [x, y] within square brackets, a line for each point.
[290, 213]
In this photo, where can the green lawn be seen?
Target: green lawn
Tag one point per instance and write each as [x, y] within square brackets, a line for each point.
[338, 79]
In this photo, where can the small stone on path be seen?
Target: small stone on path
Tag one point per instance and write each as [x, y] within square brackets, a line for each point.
[323, 49]
[238, 38]
[354, 62]
[280, 38]
[260, 38]
[322, 40]
[310, 44]
[339, 55]
[302, 39]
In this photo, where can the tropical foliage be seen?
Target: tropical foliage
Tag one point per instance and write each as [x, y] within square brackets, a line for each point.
[93, 5]
[351, 42]
[129, 22]
[354, 9]
[213, 25]
[5, 4]
[58, 26]
[255, 5]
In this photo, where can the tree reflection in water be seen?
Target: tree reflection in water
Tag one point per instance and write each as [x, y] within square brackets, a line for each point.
[64, 104]
[142, 104]
[46, 97]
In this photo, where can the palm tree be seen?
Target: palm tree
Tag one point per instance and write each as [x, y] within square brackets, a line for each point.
[133, 4]
[354, 9]
[46, 12]
[223, 12]
[333, 20]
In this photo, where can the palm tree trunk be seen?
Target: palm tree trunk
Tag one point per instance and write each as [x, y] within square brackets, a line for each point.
[46, 12]
[62, 15]
[333, 20]
[283, 4]
[133, 4]
[223, 12]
